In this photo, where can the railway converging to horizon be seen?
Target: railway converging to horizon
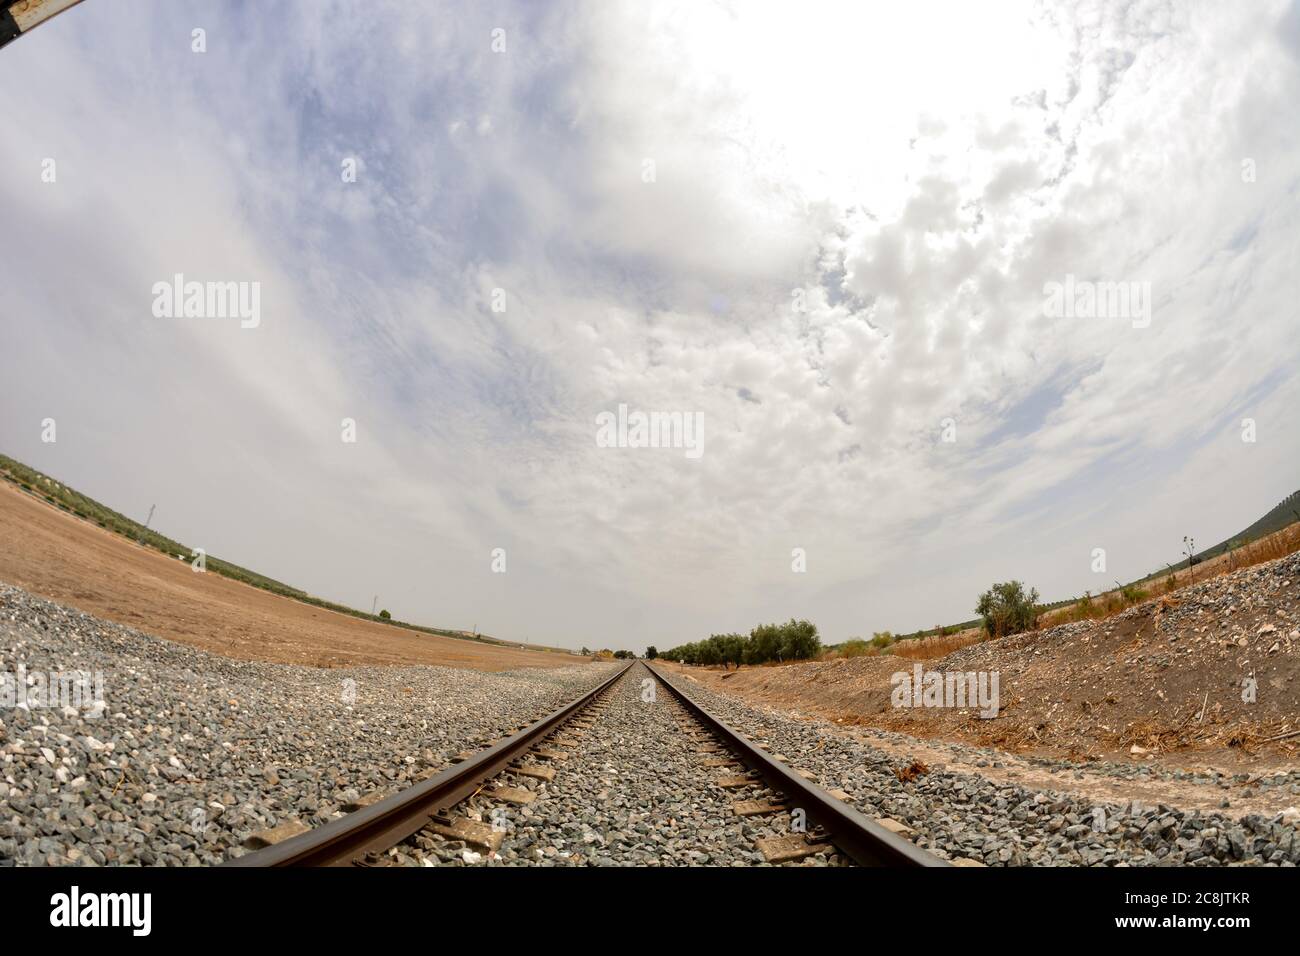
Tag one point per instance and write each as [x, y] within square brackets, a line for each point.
[813, 822]
[744, 439]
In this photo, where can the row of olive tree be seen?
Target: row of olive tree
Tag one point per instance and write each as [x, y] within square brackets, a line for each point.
[792, 641]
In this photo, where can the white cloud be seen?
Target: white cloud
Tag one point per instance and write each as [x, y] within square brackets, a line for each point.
[919, 177]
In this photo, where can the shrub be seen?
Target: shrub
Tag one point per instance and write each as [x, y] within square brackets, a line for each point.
[1006, 608]
[854, 647]
[1131, 593]
[385, 615]
[1085, 609]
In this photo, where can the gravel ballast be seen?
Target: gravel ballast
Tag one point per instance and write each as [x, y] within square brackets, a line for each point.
[189, 756]
[635, 790]
[192, 754]
[968, 817]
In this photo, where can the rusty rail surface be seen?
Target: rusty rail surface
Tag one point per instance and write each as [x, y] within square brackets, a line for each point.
[351, 839]
[867, 842]
[18, 17]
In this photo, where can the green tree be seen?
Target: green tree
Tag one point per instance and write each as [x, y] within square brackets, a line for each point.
[799, 641]
[793, 640]
[1007, 608]
[651, 653]
[710, 651]
[765, 644]
[734, 647]
[385, 615]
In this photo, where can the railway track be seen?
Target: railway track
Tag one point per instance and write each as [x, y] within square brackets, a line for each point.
[778, 789]
[360, 837]
[800, 819]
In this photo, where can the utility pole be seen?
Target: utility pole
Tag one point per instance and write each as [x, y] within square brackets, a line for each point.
[374, 604]
[140, 540]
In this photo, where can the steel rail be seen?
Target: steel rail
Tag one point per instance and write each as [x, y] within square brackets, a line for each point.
[373, 829]
[866, 841]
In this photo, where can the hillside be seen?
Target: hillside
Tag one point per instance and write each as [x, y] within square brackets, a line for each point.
[1281, 516]
[55, 555]
[61, 496]
[1165, 677]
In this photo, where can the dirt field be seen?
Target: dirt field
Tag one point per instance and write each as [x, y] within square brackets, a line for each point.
[1246, 797]
[60, 557]
[1162, 682]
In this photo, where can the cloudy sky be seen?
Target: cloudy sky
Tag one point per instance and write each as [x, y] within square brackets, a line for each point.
[825, 229]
